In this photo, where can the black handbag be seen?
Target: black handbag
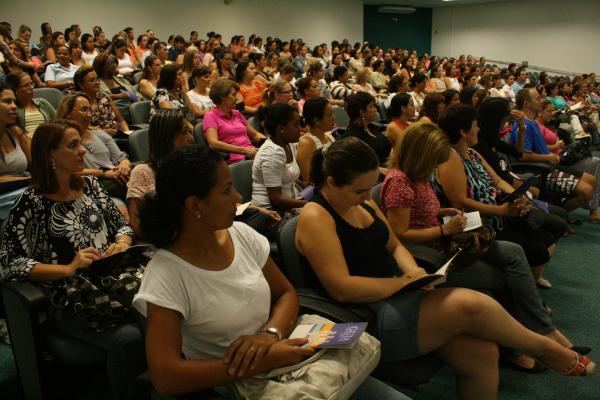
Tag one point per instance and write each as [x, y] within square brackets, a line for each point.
[101, 295]
[471, 244]
[574, 152]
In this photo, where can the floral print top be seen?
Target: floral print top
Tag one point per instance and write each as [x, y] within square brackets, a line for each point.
[40, 230]
[103, 116]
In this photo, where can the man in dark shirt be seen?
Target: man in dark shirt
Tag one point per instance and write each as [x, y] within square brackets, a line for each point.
[177, 48]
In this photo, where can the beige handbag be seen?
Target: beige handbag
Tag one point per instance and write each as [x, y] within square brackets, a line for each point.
[330, 374]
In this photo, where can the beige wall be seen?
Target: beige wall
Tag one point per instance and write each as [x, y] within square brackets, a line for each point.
[555, 34]
[315, 21]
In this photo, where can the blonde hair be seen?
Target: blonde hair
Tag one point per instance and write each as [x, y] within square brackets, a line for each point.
[422, 147]
[362, 75]
[311, 61]
[67, 104]
[276, 87]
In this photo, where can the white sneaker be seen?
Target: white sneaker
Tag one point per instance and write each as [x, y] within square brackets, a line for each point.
[582, 135]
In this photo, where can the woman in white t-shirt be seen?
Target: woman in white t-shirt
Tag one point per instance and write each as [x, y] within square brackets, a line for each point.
[199, 94]
[275, 169]
[211, 292]
[126, 64]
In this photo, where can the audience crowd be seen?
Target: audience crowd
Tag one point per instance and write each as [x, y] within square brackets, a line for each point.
[323, 124]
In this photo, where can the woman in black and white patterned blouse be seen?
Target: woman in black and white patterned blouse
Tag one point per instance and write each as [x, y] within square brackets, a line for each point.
[60, 225]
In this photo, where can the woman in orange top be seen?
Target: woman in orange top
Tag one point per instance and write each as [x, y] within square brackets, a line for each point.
[402, 111]
[251, 90]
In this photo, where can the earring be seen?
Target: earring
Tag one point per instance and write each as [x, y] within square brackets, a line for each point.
[53, 164]
[199, 216]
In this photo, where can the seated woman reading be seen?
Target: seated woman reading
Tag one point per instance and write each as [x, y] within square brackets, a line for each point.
[358, 259]
[412, 209]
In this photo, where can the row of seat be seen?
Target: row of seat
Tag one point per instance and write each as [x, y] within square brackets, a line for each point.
[137, 114]
[25, 303]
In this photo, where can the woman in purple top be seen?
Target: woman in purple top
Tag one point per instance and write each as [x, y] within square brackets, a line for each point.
[225, 128]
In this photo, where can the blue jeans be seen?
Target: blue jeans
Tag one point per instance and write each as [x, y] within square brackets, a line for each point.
[504, 271]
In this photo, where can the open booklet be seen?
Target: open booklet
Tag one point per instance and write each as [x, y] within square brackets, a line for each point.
[473, 220]
[432, 279]
[330, 335]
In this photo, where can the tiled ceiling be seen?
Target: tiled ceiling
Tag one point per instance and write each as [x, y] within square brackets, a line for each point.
[427, 3]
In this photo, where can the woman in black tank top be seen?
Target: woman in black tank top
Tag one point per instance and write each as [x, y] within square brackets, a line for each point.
[358, 259]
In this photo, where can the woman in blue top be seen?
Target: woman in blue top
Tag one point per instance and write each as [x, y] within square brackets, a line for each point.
[60, 75]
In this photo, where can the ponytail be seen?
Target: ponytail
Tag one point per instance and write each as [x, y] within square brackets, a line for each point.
[317, 176]
[191, 171]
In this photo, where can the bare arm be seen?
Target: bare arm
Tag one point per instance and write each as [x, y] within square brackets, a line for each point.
[317, 240]
[59, 85]
[393, 133]
[551, 158]
[197, 111]
[25, 143]
[284, 302]
[399, 218]
[405, 260]
[50, 55]
[146, 89]
[172, 374]
[253, 134]
[306, 148]
[212, 139]
[453, 179]
[118, 117]
[498, 182]
[281, 202]
[133, 205]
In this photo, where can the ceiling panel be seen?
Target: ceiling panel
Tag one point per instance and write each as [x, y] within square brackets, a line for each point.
[427, 3]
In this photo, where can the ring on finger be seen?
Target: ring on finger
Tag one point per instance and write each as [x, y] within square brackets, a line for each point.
[252, 349]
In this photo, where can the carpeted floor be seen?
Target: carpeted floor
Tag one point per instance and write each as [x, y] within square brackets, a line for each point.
[575, 301]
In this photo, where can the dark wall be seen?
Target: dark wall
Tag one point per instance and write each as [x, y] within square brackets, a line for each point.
[408, 31]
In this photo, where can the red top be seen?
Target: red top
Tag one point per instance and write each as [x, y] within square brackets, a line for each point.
[399, 191]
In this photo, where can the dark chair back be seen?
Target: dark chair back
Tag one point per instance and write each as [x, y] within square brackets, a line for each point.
[241, 176]
[52, 95]
[140, 113]
[139, 145]
[199, 134]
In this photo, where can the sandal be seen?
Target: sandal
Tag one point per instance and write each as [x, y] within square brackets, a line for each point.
[583, 367]
[583, 350]
[543, 283]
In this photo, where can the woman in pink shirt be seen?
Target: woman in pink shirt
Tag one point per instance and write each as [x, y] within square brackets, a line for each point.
[555, 145]
[225, 128]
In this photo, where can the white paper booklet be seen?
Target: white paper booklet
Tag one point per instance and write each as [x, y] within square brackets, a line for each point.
[473, 220]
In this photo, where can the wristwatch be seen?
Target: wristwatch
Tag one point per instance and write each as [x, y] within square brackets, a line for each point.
[274, 331]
